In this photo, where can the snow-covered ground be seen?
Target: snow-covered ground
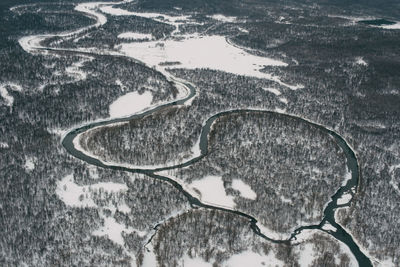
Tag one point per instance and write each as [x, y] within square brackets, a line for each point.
[4, 92]
[113, 230]
[130, 103]
[307, 251]
[250, 258]
[135, 36]
[212, 52]
[212, 191]
[29, 164]
[223, 18]
[75, 195]
[273, 90]
[244, 189]
[344, 199]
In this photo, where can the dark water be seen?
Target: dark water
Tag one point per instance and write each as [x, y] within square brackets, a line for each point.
[377, 22]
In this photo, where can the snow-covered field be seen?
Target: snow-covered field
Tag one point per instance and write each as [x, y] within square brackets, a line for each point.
[244, 189]
[75, 195]
[212, 52]
[130, 103]
[212, 191]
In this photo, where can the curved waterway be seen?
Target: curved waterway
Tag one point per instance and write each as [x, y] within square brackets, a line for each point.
[329, 212]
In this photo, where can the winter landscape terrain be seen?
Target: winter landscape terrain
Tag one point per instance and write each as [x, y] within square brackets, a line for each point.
[199, 133]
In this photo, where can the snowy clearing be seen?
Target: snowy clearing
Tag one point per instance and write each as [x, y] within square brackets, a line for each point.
[212, 191]
[130, 103]
[194, 262]
[135, 36]
[29, 164]
[79, 196]
[113, 230]
[212, 52]
[222, 18]
[249, 258]
[244, 189]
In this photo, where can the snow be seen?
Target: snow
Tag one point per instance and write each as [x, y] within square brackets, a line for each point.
[4, 145]
[329, 227]
[113, 230]
[283, 100]
[344, 199]
[194, 262]
[149, 259]
[29, 164]
[273, 90]
[306, 255]
[130, 103]
[347, 177]
[212, 191]
[75, 71]
[135, 36]
[223, 18]
[244, 189]
[212, 52]
[5, 95]
[395, 26]
[69, 192]
[306, 249]
[89, 8]
[361, 61]
[272, 234]
[249, 258]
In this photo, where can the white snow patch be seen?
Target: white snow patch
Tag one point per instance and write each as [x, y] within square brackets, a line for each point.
[306, 256]
[244, 189]
[329, 227]
[347, 177]
[223, 18]
[344, 199]
[273, 90]
[212, 52]
[283, 100]
[4, 145]
[386, 263]
[395, 26]
[249, 258]
[29, 164]
[113, 230]
[212, 191]
[70, 193]
[5, 95]
[194, 262]
[361, 61]
[135, 36]
[130, 103]
[149, 259]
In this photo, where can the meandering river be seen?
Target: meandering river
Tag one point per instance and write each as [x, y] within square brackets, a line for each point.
[32, 44]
